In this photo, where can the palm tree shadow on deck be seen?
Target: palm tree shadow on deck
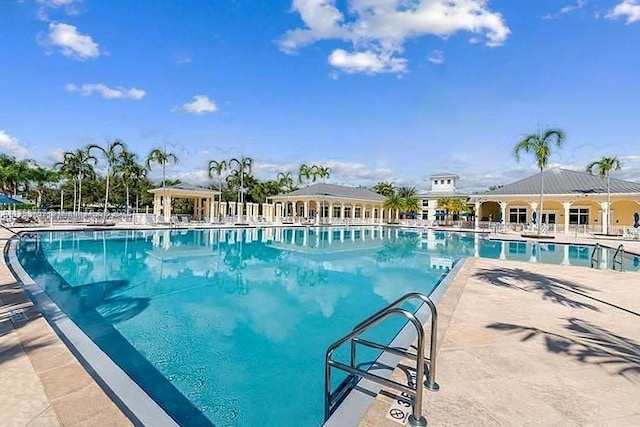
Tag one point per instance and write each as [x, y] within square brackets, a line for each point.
[559, 291]
[584, 342]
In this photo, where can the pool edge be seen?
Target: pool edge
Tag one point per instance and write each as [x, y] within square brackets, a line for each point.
[127, 395]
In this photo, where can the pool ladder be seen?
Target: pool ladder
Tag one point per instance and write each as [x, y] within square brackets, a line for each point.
[617, 260]
[423, 365]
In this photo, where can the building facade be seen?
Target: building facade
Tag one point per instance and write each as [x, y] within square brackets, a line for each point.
[573, 201]
[443, 185]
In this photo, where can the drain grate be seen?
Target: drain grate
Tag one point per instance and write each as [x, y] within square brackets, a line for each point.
[18, 316]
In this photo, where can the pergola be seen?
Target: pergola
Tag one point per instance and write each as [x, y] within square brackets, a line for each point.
[204, 206]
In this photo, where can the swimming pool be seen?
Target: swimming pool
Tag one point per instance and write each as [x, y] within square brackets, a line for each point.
[229, 327]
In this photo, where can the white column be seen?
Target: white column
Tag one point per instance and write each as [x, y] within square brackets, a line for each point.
[503, 212]
[306, 209]
[477, 217]
[342, 211]
[330, 210]
[605, 215]
[567, 207]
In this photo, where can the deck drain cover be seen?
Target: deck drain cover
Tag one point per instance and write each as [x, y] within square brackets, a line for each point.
[18, 316]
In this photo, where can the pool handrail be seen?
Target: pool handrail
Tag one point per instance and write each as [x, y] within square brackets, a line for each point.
[422, 364]
[615, 260]
[430, 382]
[596, 256]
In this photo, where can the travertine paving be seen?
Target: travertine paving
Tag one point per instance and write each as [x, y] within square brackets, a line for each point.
[534, 344]
[43, 384]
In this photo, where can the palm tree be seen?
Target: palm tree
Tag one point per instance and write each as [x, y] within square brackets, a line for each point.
[128, 167]
[540, 145]
[42, 177]
[393, 202]
[218, 167]
[161, 157]
[605, 165]
[111, 154]
[242, 164]
[77, 165]
[384, 188]
[452, 206]
[285, 179]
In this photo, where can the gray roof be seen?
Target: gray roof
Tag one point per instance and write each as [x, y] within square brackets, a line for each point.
[431, 194]
[443, 175]
[332, 190]
[564, 181]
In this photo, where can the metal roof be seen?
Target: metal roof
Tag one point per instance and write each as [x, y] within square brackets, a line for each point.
[564, 181]
[332, 190]
[185, 189]
[444, 175]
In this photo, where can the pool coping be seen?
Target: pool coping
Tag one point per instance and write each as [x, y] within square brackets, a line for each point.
[130, 398]
[354, 406]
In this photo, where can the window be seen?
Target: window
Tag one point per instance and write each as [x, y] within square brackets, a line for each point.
[448, 181]
[425, 203]
[442, 181]
[548, 218]
[579, 216]
[518, 215]
[435, 182]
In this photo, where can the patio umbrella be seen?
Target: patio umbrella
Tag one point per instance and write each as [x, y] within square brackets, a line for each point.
[636, 220]
[6, 200]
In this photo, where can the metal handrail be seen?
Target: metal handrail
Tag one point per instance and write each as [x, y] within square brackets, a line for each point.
[597, 250]
[422, 364]
[620, 262]
[416, 418]
[430, 382]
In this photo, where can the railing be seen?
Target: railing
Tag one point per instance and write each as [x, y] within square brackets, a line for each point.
[422, 364]
[618, 258]
[596, 256]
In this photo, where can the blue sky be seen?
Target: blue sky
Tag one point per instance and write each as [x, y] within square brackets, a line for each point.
[390, 90]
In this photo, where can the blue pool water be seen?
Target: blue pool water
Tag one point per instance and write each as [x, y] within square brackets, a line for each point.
[230, 327]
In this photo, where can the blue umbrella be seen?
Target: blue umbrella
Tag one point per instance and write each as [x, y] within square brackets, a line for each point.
[636, 220]
[534, 216]
[6, 200]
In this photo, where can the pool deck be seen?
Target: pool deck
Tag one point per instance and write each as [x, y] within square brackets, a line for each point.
[524, 344]
[533, 344]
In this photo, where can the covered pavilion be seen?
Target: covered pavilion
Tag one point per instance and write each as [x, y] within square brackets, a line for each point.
[330, 201]
[205, 206]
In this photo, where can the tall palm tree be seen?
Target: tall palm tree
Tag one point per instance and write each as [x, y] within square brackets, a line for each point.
[285, 180]
[384, 188]
[243, 167]
[111, 153]
[161, 157]
[77, 165]
[218, 167]
[41, 177]
[605, 165]
[127, 166]
[540, 144]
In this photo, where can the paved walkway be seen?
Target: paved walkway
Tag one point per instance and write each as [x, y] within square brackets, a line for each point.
[534, 344]
[43, 384]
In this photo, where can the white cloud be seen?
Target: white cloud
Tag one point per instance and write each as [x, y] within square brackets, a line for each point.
[367, 62]
[69, 6]
[437, 57]
[107, 92]
[377, 29]
[566, 9]
[9, 145]
[70, 42]
[629, 9]
[201, 104]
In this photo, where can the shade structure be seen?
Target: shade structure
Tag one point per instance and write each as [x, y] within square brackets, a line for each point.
[6, 200]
